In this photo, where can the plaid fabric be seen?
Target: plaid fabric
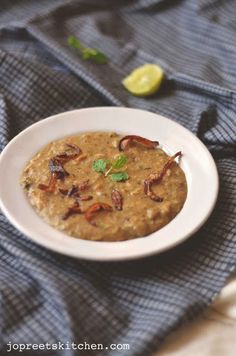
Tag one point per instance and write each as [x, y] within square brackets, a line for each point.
[46, 297]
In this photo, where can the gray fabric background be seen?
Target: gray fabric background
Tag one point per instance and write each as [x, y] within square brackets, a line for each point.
[46, 297]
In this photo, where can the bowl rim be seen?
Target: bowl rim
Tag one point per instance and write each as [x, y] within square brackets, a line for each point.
[103, 257]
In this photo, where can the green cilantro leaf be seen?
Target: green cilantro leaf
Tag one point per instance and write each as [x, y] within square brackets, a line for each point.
[119, 176]
[86, 52]
[99, 165]
[119, 162]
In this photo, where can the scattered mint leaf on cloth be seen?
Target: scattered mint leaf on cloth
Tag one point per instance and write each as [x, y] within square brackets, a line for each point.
[94, 54]
[99, 165]
[87, 53]
[119, 176]
[74, 42]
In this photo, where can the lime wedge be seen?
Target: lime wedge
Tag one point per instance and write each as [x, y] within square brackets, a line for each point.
[144, 80]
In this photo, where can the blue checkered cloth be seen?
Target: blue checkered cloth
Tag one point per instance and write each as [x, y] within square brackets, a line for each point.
[47, 297]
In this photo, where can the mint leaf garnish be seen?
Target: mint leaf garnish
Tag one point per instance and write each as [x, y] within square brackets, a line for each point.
[99, 165]
[120, 162]
[119, 176]
[106, 167]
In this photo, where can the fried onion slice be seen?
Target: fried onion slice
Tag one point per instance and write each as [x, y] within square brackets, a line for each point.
[157, 178]
[94, 209]
[127, 140]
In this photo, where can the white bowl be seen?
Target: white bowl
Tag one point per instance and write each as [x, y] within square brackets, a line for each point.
[197, 163]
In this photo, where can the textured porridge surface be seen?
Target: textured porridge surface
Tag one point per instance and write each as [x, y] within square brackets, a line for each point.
[140, 215]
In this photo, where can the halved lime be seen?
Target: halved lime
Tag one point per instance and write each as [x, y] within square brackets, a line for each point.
[144, 80]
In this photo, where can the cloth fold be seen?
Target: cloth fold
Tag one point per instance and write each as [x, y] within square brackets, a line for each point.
[47, 297]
